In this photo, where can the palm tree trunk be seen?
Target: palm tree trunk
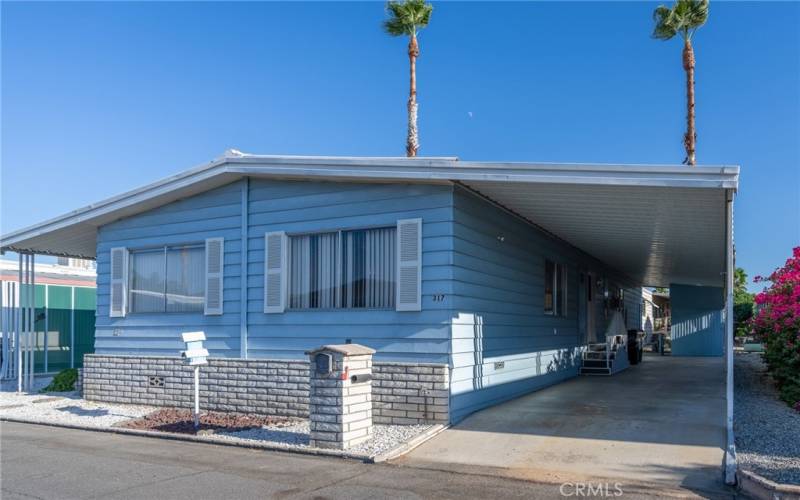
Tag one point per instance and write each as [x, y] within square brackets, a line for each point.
[690, 139]
[412, 141]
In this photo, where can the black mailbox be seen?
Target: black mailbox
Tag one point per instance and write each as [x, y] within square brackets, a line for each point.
[358, 379]
[323, 363]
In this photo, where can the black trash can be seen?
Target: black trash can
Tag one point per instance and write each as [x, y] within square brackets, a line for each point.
[634, 349]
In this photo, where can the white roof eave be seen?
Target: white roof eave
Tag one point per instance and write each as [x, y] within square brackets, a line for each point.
[426, 170]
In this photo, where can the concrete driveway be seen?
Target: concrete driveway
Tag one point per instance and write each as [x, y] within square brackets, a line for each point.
[659, 424]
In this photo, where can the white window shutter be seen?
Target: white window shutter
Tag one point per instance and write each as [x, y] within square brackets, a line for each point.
[215, 263]
[119, 282]
[276, 249]
[409, 265]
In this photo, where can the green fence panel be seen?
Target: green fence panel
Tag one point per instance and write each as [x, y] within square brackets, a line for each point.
[59, 312]
[85, 308]
[58, 319]
[38, 324]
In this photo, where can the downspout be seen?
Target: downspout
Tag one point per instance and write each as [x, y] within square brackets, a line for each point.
[730, 454]
[244, 263]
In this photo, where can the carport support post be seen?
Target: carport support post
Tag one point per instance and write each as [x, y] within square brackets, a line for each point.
[18, 328]
[730, 454]
[72, 329]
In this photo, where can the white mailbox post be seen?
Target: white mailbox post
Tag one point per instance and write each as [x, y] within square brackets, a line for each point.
[195, 355]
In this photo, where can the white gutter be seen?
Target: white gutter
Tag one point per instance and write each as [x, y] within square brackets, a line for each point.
[452, 170]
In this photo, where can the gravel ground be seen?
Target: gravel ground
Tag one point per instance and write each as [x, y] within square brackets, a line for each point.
[67, 408]
[767, 430]
[385, 437]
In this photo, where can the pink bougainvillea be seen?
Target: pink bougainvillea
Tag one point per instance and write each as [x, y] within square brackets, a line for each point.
[777, 324]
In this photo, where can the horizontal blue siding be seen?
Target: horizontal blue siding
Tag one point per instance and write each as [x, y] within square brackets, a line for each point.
[498, 302]
[216, 213]
[298, 207]
[293, 207]
[698, 328]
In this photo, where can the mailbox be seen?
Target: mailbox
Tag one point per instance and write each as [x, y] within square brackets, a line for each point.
[195, 354]
[323, 363]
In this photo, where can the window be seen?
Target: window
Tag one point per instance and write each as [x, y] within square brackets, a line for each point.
[343, 270]
[555, 288]
[167, 279]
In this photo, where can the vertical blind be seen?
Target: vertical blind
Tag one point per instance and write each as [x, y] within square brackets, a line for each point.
[346, 269]
[167, 279]
[185, 279]
[147, 281]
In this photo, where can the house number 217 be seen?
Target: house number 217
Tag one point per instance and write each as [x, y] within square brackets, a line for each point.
[438, 297]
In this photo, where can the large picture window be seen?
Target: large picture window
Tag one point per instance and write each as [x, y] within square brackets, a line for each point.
[343, 270]
[167, 279]
[555, 288]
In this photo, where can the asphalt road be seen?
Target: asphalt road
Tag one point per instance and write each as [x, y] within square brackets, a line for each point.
[52, 463]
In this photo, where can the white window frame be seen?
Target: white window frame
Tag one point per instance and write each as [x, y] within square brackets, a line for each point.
[129, 276]
[560, 270]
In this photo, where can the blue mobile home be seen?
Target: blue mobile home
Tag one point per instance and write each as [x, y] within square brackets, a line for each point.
[496, 275]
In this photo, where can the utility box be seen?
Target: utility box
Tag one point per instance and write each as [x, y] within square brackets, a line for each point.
[340, 408]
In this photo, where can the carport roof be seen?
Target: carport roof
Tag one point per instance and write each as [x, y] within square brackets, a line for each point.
[658, 224]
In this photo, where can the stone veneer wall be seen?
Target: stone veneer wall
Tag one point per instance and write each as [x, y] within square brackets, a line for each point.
[402, 393]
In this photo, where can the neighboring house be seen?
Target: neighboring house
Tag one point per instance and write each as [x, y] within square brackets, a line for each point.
[663, 312]
[475, 282]
[77, 263]
[65, 309]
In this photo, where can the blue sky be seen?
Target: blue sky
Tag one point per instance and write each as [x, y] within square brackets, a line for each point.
[98, 98]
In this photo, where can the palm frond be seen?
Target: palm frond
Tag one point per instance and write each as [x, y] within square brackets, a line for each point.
[406, 17]
[684, 17]
[665, 24]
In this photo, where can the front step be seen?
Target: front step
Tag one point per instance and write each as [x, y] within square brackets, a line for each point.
[587, 370]
[595, 363]
[599, 359]
[594, 355]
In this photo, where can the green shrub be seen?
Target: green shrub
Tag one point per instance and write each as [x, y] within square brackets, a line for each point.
[63, 381]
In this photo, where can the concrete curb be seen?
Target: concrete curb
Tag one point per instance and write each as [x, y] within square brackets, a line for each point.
[195, 439]
[403, 448]
[764, 489]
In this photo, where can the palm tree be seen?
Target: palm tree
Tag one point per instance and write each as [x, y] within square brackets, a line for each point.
[684, 18]
[406, 19]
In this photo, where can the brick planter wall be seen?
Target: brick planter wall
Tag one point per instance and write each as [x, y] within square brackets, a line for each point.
[407, 393]
[402, 393]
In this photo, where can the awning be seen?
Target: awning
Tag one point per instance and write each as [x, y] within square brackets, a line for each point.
[659, 224]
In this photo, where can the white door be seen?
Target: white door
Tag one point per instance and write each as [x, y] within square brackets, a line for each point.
[591, 334]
